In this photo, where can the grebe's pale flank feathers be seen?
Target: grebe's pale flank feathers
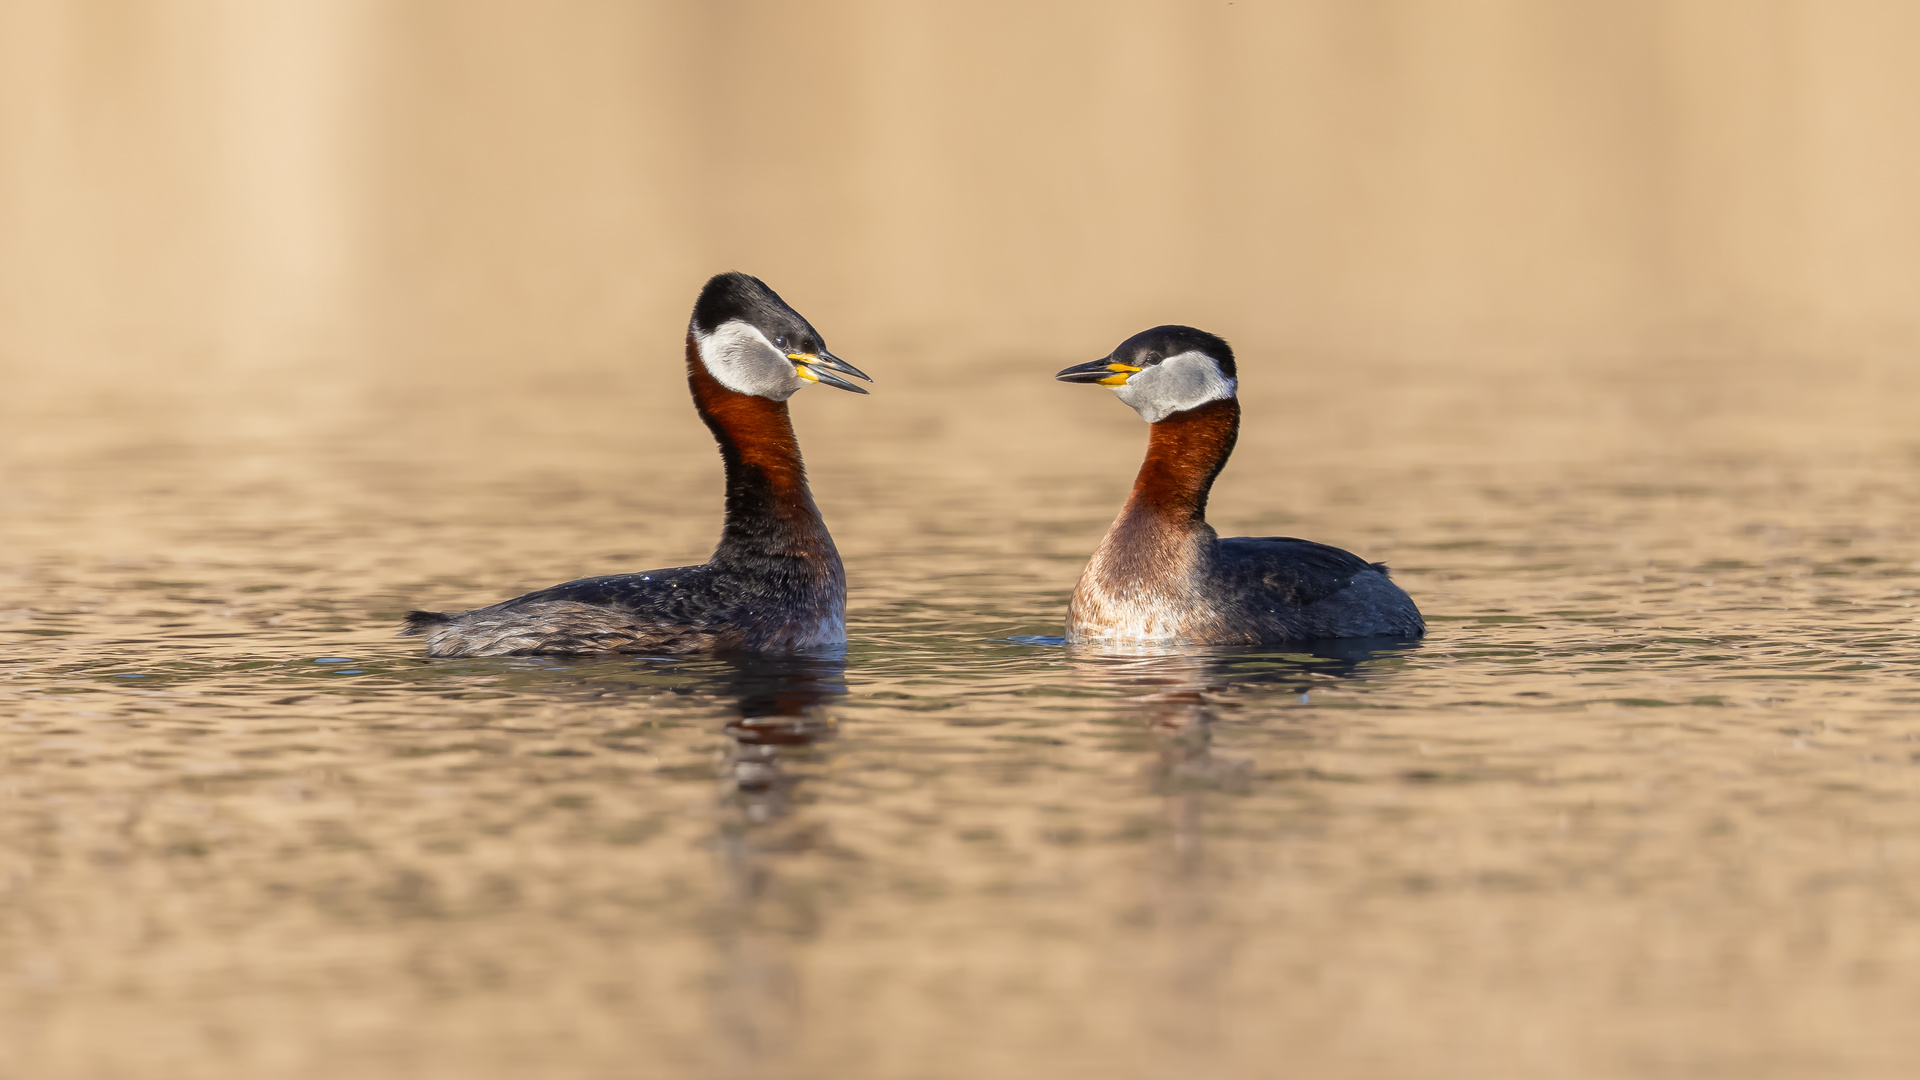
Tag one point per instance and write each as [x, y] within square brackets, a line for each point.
[752, 342]
[1162, 371]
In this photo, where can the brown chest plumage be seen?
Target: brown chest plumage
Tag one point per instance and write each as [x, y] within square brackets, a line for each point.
[1146, 580]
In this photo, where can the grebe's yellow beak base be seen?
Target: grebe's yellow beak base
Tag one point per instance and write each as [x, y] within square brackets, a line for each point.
[1105, 371]
[820, 367]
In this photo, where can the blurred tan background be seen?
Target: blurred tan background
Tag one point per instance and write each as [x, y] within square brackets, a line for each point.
[200, 185]
[1594, 318]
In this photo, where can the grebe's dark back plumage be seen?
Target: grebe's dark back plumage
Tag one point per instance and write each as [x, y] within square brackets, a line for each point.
[1161, 574]
[775, 582]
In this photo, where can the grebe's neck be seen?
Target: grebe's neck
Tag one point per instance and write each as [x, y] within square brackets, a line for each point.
[1145, 580]
[770, 511]
[1185, 453]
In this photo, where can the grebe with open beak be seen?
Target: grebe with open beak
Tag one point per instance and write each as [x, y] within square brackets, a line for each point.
[774, 584]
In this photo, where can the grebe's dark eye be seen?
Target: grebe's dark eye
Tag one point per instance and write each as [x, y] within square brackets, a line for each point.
[780, 343]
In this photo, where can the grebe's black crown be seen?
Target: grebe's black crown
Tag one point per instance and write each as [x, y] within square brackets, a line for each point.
[734, 296]
[1149, 347]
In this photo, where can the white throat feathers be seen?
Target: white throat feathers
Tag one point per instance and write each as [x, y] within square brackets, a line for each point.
[740, 358]
[1178, 383]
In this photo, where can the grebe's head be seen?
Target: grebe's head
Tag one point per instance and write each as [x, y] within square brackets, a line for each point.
[1162, 371]
[751, 342]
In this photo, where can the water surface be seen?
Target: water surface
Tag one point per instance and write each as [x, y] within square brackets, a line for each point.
[1642, 804]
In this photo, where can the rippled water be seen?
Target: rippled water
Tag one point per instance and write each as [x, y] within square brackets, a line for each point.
[1642, 804]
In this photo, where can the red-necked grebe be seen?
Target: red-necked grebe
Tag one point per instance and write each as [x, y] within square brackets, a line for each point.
[774, 583]
[1161, 575]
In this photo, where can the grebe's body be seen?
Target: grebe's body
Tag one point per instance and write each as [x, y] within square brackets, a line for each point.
[1161, 575]
[775, 583]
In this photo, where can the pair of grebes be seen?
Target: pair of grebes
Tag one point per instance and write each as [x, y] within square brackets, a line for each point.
[775, 584]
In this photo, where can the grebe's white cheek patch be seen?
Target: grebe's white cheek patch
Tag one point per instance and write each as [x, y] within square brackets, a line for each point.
[1178, 383]
[740, 358]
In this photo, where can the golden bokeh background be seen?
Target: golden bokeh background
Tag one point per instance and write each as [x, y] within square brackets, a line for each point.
[205, 185]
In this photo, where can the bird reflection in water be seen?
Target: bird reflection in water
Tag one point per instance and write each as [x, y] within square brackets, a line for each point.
[781, 707]
[1185, 953]
[1181, 693]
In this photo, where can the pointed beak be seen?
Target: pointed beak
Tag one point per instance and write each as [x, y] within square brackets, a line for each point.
[1104, 371]
[824, 367]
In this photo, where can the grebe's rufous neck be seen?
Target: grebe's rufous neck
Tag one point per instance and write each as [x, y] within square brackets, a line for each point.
[1161, 576]
[774, 584]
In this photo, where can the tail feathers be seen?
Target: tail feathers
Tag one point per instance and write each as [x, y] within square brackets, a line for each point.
[419, 621]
